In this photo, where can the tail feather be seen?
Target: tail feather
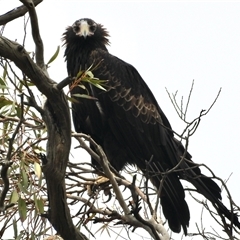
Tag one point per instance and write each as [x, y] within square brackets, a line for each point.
[174, 221]
[205, 186]
[174, 206]
[210, 190]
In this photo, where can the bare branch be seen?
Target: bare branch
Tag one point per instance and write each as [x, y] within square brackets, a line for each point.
[15, 52]
[16, 13]
[155, 229]
[36, 34]
[188, 101]
[108, 173]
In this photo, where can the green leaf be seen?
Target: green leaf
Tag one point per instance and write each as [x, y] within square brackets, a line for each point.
[4, 102]
[15, 229]
[13, 108]
[96, 82]
[90, 74]
[22, 209]
[5, 127]
[33, 235]
[72, 100]
[5, 71]
[82, 86]
[24, 179]
[3, 87]
[30, 84]
[2, 82]
[19, 237]
[54, 55]
[37, 170]
[18, 111]
[99, 86]
[84, 96]
[40, 205]
[14, 197]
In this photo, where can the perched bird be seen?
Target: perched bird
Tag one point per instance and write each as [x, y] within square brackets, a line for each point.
[128, 123]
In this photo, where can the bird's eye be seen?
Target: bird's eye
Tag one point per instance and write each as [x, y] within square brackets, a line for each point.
[93, 28]
[76, 28]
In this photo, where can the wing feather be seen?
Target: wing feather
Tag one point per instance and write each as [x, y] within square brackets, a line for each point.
[138, 125]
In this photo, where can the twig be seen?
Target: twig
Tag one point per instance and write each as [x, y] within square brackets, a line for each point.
[25, 30]
[216, 98]
[188, 100]
[174, 103]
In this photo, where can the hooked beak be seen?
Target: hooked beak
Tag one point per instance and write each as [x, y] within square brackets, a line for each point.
[84, 29]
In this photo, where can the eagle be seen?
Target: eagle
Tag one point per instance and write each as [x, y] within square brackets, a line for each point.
[129, 124]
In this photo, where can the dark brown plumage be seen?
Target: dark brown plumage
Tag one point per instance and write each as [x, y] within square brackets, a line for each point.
[128, 123]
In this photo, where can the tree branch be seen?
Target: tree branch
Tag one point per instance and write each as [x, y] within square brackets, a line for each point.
[39, 50]
[16, 53]
[155, 229]
[57, 119]
[16, 13]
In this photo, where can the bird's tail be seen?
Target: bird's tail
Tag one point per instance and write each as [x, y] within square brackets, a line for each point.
[167, 182]
[204, 185]
[174, 206]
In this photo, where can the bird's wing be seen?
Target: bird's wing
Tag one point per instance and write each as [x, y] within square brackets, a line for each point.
[132, 111]
[137, 124]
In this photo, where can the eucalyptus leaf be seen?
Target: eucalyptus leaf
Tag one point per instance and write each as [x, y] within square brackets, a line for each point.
[54, 55]
[84, 96]
[14, 197]
[22, 209]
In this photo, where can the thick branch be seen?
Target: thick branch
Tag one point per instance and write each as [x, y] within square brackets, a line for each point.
[57, 119]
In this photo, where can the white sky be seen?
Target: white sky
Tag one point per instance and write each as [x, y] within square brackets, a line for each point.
[170, 43]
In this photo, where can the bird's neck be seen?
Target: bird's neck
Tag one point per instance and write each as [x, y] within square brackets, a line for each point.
[78, 54]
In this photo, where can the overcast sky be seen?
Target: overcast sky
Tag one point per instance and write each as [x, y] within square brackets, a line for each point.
[170, 43]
